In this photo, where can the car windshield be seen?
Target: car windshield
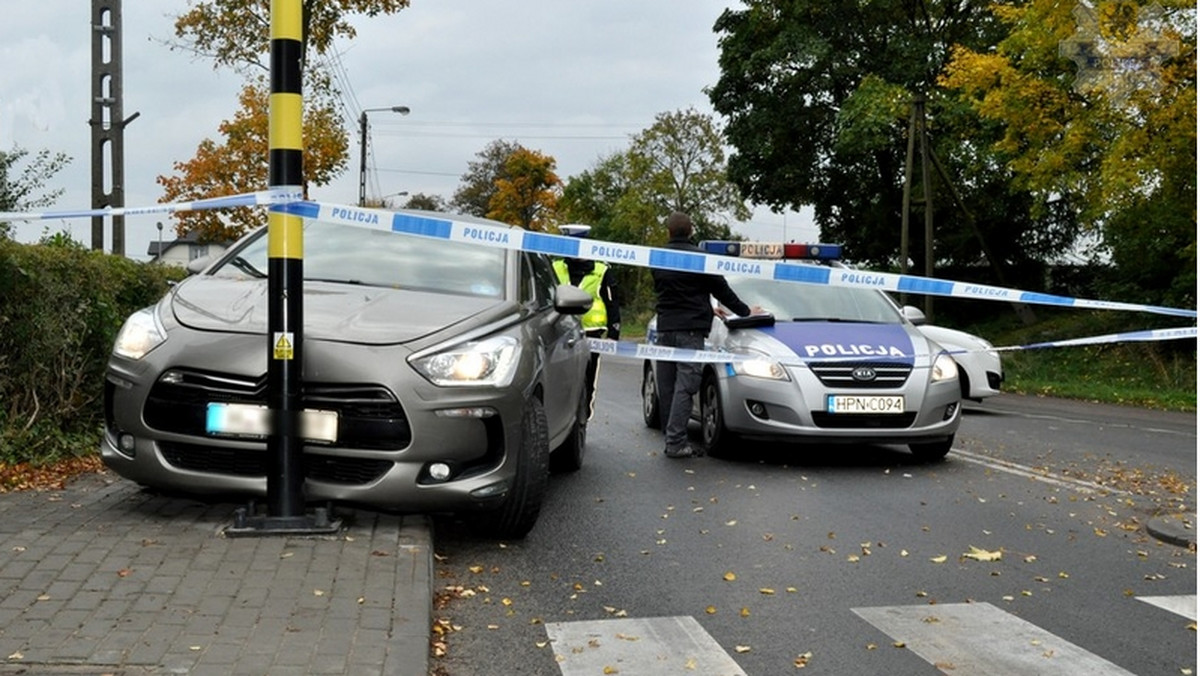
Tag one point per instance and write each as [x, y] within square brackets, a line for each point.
[354, 255]
[811, 302]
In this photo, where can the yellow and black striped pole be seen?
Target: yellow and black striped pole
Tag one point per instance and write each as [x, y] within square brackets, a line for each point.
[285, 274]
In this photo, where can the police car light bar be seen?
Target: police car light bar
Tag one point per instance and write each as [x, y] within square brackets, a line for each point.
[773, 250]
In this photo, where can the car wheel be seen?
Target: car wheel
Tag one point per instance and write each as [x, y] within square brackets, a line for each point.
[714, 437]
[513, 519]
[569, 456]
[651, 411]
[932, 452]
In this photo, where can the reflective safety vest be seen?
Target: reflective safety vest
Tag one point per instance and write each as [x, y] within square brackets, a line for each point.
[597, 317]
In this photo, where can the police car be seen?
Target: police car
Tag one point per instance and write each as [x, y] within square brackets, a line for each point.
[830, 364]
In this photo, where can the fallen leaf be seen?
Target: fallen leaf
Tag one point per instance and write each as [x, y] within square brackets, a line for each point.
[801, 660]
[711, 610]
[745, 612]
[611, 670]
[983, 554]
[742, 648]
[766, 590]
[730, 576]
[939, 559]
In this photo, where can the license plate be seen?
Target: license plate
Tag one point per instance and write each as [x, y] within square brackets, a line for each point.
[251, 420]
[845, 403]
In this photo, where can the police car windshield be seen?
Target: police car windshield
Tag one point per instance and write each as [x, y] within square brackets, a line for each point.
[810, 302]
[352, 255]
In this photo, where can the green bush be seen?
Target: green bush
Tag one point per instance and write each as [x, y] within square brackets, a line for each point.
[61, 306]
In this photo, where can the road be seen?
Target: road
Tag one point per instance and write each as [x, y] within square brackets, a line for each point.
[1024, 552]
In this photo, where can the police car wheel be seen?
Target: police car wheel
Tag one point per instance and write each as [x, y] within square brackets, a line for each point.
[932, 452]
[651, 412]
[714, 437]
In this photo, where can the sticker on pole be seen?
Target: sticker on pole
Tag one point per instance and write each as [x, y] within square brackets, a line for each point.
[284, 345]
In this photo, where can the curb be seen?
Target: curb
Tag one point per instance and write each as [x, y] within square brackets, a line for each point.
[1177, 529]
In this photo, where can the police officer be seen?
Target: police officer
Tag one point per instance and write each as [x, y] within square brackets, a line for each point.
[604, 319]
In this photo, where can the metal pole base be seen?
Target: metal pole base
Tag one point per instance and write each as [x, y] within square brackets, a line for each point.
[248, 524]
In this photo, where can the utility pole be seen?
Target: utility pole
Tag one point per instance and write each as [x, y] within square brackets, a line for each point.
[918, 133]
[108, 122]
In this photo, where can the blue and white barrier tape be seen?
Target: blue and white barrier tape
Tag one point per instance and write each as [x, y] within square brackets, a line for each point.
[250, 199]
[506, 237]
[629, 350]
[288, 199]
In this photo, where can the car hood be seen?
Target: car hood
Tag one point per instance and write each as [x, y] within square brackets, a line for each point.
[340, 312]
[788, 341]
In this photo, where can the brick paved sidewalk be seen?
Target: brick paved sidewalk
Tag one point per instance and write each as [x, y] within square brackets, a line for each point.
[104, 578]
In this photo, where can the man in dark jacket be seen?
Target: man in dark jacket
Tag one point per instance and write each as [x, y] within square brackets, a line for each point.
[685, 313]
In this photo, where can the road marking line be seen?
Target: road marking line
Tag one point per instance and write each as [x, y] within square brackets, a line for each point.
[981, 640]
[1180, 605]
[1029, 472]
[631, 647]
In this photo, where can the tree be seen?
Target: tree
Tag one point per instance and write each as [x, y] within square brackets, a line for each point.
[817, 96]
[679, 162]
[236, 34]
[1118, 145]
[21, 189]
[426, 202]
[527, 194]
[240, 164]
[476, 187]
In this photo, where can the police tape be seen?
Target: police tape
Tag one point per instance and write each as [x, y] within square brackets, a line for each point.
[250, 199]
[488, 233]
[630, 350]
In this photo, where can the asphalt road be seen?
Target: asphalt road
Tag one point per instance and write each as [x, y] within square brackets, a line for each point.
[1025, 552]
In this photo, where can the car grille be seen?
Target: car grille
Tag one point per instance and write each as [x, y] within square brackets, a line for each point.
[369, 416]
[847, 421]
[841, 374]
[253, 463]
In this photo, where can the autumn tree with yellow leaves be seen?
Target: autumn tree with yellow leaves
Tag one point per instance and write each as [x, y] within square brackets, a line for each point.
[527, 194]
[235, 34]
[1112, 132]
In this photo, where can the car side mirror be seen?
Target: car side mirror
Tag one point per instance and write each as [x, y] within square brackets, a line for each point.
[913, 315]
[197, 265]
[571, 300]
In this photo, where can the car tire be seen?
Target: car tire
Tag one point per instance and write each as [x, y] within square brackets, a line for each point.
[569, 456]
[715, 438]
[651, 407]
[513, 519]
[933, 451]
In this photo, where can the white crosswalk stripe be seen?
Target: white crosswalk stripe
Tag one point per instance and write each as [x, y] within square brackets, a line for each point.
[636, 647]
[979, 639]
[1180, 605]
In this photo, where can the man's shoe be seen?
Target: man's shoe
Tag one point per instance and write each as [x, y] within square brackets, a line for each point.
[684, 451]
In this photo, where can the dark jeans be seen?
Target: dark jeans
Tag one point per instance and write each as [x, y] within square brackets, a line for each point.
[677, 383]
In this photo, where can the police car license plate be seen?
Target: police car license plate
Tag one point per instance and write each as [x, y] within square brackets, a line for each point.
[252, 420]
[845, 403]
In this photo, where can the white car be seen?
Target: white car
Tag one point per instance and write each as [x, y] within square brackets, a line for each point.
[980, 372]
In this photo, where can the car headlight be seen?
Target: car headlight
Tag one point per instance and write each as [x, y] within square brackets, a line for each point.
[944, 368]
[760, 367]
[487, 362]
[141, 333]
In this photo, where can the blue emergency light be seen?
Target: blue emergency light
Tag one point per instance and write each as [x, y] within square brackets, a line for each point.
[773, 250]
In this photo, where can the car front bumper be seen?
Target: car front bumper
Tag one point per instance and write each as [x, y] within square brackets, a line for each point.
[795, 409]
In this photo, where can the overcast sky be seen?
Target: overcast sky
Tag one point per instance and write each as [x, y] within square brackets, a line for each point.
[568, 78]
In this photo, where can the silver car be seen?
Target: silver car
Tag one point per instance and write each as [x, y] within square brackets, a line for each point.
[836, 365]
[451, 371]
[980, 372]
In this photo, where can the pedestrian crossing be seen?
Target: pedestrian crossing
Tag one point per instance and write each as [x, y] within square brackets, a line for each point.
[964, 639]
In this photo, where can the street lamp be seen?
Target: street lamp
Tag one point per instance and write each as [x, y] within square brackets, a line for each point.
[362, 132]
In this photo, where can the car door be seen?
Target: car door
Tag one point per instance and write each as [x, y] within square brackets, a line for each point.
[562, 342]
